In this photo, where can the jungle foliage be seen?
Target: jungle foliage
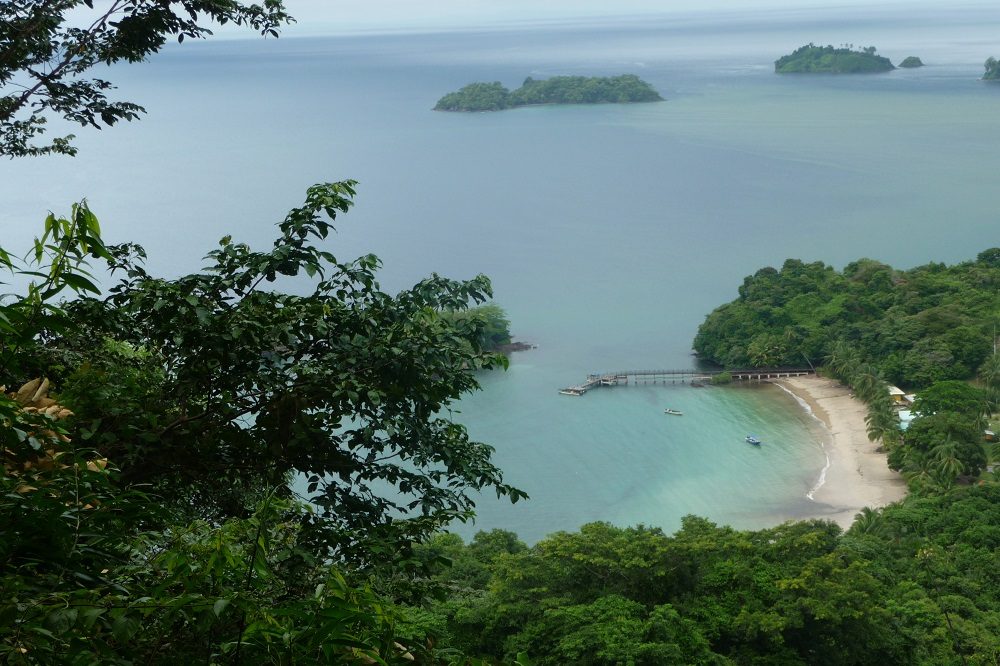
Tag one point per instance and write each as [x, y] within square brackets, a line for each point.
[915, 583]
[491, 319]
[623, 89]
[914, 327]
[154, 482]
[812, 59]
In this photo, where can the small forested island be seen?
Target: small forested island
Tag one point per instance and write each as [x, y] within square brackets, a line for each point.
[624, 89]
[488, 326]
[812, 59]
[992, 70]
[911, 62]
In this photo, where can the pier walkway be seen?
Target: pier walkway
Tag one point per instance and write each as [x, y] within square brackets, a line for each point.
[694, 377]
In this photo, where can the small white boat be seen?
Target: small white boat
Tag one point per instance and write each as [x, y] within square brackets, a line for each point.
[752, 439]
[675, 412]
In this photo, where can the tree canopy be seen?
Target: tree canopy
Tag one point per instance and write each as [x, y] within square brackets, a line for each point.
[915, 327]
[914, 583]
[190, 419]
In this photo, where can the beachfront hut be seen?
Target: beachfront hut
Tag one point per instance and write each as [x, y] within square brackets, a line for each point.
[897, 394]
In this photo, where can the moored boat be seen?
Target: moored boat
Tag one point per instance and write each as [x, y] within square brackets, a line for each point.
[752, 439]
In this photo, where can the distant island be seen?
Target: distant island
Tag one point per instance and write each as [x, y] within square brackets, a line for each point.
[992, 70]
[911, 62]
[812, 59]
[489, 327]
[624, 89]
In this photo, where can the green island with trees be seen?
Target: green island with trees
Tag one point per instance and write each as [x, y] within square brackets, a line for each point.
[624, 89]
[493, 324]
[992, 67]
[812, 59]
[910, 62]
[210, 469]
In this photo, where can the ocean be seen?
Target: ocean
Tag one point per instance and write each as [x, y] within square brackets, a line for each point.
[609, 231]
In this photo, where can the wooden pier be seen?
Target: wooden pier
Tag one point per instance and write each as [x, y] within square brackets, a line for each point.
[626, 377]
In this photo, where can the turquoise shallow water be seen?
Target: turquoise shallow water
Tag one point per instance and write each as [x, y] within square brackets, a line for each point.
[614, 455]
[609, 231]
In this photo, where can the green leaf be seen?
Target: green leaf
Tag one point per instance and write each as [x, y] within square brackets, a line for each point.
[79, 283]
[219, 606]
[90, 616]
[124, 627]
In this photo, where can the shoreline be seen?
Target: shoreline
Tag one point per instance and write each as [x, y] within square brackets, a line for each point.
[855, 475]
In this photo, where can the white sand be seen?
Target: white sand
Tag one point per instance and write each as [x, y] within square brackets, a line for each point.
[857, 475]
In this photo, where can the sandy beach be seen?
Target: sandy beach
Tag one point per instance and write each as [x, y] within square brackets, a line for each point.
[857, 475]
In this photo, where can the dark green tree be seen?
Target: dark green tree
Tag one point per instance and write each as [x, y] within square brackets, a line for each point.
[345, 387]
[951, 396]
[943, 436]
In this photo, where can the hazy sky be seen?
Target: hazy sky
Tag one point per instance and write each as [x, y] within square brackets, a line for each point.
[324, 16]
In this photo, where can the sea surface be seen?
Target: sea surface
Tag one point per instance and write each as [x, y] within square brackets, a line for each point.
[609, 231]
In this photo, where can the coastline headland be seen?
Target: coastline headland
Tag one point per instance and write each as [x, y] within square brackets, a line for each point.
[856, 474]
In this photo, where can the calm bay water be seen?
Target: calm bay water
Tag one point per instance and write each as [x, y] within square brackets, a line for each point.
[609, 231]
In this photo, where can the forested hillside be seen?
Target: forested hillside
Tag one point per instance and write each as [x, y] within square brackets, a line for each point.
[917, 583]
[916, 326]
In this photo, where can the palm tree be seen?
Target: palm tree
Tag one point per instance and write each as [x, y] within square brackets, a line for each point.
[946, 461]
[843, 360]
[867, 521]
[867, 385]
[989, 373]
[883, 423]
[918, 470]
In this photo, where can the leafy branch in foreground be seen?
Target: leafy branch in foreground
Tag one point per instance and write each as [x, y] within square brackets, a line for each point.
[212, 386]
[148, 510]
[47, 48]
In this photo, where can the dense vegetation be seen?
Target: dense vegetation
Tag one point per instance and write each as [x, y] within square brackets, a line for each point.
[915, 583]
[152, 481]
[916, 327]
[626, 88]
[490, 319]
[814, 59]
[992, 70]
[911, 61]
